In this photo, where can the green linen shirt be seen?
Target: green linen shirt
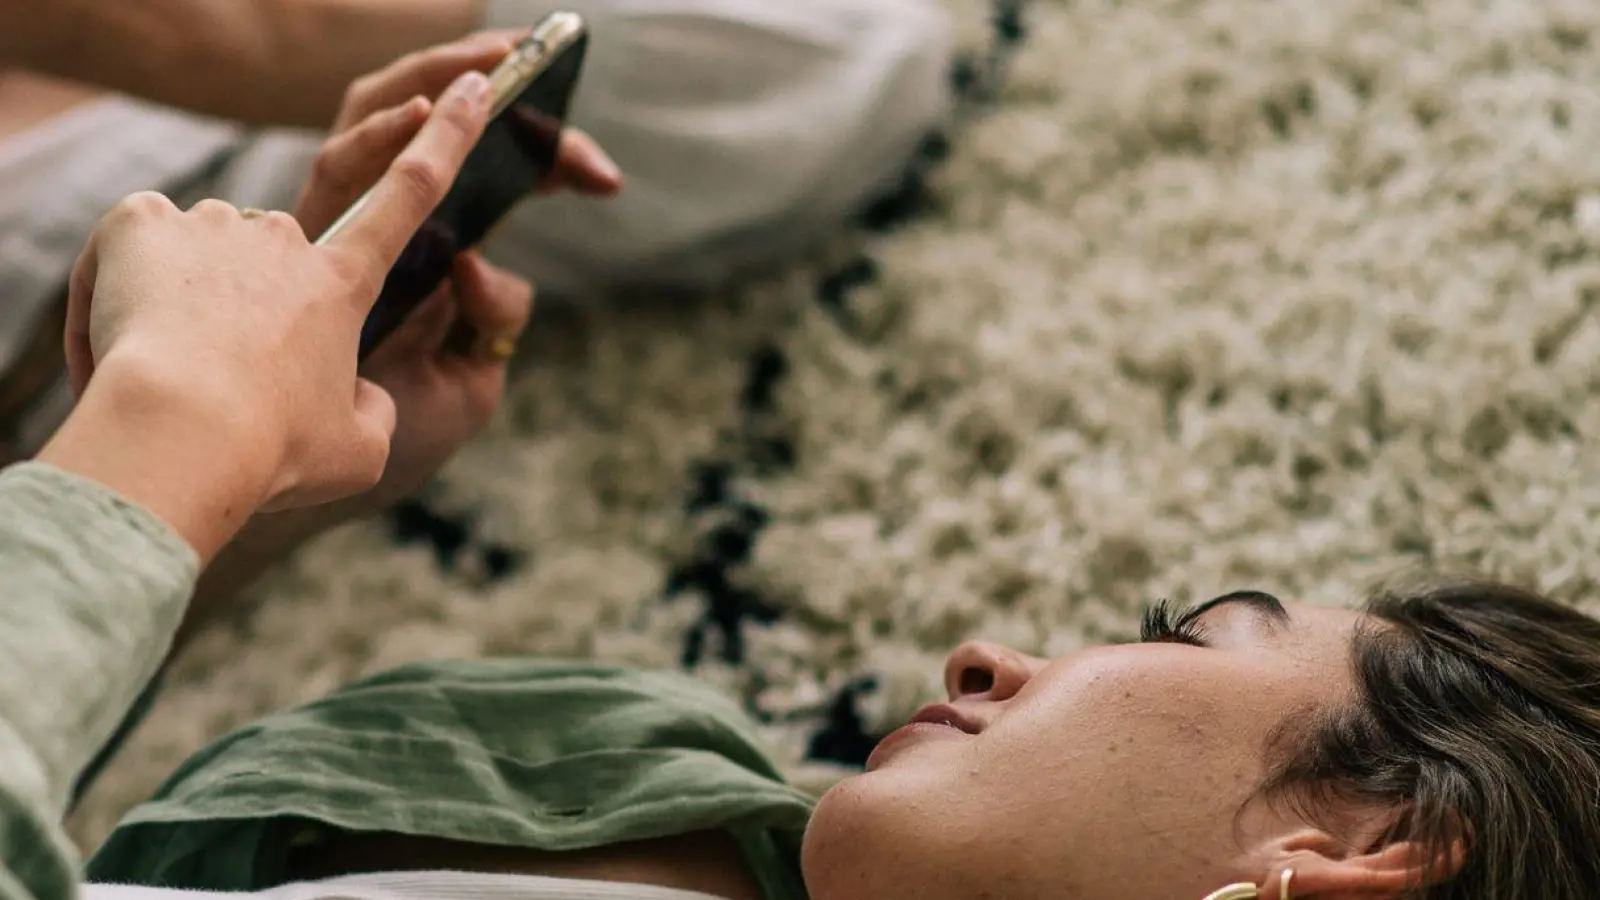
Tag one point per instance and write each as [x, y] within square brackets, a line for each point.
[93, 589]
[518, 752]
[512, 752]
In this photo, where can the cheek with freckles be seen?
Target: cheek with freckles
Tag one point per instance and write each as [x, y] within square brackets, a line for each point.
[1152, 733]
[1122, 769]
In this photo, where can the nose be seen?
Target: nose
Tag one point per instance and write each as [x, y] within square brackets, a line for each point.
[988, 671]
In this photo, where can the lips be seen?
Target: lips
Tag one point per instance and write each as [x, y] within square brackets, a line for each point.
[940, 721]
[945, 714]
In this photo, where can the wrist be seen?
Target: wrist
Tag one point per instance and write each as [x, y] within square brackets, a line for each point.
[171, 445]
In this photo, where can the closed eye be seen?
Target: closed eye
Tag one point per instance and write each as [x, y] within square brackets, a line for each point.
[1161, 624]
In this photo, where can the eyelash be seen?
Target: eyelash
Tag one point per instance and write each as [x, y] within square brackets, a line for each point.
[1160, 625]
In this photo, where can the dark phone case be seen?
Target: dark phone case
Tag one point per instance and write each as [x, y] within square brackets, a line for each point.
[516, 152]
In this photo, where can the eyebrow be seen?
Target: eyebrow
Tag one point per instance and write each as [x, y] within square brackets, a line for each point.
[1264, 606]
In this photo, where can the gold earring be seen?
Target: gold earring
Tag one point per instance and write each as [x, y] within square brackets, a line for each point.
[1244, 890]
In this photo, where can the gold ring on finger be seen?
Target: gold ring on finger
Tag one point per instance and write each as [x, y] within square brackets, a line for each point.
[251, 212]
[497, 348]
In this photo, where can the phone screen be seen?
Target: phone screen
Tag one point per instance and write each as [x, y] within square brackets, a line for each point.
[516, 152]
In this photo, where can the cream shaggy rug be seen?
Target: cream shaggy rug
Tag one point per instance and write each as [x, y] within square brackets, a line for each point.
[1207, 294]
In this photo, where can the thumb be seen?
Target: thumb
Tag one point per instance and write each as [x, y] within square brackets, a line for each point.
[362, 458]
[358, 463]
[375, 422]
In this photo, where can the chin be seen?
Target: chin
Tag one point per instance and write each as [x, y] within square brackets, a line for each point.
[840, 840]
[871, 837]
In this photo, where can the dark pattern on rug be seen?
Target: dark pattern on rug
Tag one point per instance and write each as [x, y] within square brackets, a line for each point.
[729, 523]
[451, 538]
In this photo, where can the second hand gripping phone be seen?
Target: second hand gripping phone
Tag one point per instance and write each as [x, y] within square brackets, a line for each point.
[532, 91]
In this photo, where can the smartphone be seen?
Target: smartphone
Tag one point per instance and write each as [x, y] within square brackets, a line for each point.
[532, 90]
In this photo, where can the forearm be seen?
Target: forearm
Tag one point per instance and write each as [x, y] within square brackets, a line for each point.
[352, 38]
[261, 62]
[170, 51]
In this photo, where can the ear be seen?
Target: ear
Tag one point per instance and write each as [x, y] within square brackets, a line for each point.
[1327, 869]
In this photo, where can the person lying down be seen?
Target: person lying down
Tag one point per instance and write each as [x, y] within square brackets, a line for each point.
[1436, 742]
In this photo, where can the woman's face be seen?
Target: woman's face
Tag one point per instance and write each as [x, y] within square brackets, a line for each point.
[1122, 771]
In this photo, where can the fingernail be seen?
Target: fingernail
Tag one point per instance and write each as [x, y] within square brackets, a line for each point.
[606, 166]
[472, 87]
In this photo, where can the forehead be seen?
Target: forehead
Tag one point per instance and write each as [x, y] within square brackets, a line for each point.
[1313, 638]
[1320, 635]
[1320, 617]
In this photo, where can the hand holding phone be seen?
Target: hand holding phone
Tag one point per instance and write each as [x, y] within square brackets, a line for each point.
[445, 387]
[532, 93]
[158, 288]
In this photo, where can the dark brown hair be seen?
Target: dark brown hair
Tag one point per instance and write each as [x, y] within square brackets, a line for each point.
[1478, 720]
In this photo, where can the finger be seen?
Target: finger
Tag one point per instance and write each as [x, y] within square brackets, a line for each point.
[426, 73]
[372, 436]
[582, 165]
[349, 163]
[415, 182]
[375, 419]
[494, 307]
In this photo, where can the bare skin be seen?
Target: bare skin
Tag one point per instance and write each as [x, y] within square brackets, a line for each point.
[1130, 770]
[442, 398]
[453, 399]
[1121, 771]
[28, 100]
[261, 62]
[145, 292]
